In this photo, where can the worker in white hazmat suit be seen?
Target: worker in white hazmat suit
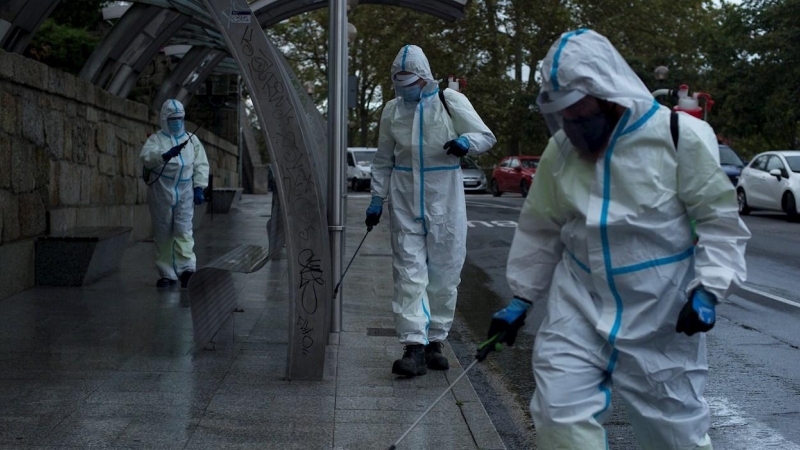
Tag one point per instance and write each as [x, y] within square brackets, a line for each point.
[183, 167]
[417, 167]
[604, 245]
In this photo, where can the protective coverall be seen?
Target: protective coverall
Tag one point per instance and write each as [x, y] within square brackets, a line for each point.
[426, 192]
[607, 246]
[170, 198]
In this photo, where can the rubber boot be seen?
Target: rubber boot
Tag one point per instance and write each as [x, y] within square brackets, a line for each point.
[185, 276]
[434, 358]
[165, 282]
[412, 363]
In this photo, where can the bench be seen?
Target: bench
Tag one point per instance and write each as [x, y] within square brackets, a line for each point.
[79, 256]
[223, 198]
[212, 294]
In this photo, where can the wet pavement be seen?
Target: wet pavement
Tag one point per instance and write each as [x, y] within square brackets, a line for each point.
[112, 364]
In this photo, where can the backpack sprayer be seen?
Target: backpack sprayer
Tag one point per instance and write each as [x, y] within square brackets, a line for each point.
[689, 104]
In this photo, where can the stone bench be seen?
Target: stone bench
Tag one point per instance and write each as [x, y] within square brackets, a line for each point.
[223, 198]
[79, 256]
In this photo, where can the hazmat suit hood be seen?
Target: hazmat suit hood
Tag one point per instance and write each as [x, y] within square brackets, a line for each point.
[412, 59]
[172, 109]
[581, 63]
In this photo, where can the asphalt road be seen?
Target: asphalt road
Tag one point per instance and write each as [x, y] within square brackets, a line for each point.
[754, 351]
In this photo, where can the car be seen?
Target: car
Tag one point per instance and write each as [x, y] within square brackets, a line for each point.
[731, 163]
[771, 182]
[474, 178]
[514, 174]
[359, 167]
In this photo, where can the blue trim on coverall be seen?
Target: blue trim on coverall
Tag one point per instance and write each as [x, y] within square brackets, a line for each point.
[554, 69]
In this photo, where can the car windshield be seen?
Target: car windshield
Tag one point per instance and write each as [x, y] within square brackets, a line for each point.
[794, 163]
[728, 157]
[467, 163]
[530, 163]
[363, 158]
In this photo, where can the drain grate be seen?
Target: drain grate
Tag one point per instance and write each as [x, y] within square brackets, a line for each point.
[388, 332]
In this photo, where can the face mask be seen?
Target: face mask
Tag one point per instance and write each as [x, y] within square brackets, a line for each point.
[589, 134]
[175, 126]
[410, 93]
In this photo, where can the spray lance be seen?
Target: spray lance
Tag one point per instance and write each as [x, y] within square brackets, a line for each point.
[146, 172]
[484, 348]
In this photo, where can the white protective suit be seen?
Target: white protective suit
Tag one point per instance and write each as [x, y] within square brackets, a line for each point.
[608, 245]
[171, 198]
[426, 192]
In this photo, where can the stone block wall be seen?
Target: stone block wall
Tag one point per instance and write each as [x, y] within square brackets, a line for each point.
[69, 155]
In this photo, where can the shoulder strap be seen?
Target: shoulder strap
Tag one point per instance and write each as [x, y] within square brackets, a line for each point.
[673, 128]
[444, 102]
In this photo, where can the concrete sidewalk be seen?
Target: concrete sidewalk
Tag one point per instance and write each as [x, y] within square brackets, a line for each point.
[111, 365]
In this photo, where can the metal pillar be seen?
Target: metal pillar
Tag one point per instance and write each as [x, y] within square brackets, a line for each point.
[337, 138]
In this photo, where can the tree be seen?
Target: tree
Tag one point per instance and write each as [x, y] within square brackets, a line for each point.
[67, 38]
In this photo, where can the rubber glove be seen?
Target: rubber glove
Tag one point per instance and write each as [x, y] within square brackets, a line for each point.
[457, 147]
[173, 152]
[374, 211]
[698, 314]
[509, 320]
[199, 198]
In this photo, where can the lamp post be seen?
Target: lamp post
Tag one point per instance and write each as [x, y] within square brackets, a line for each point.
[337, 138]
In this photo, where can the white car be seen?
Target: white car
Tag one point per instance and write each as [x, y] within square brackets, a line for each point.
[359, 167]
[771, 182]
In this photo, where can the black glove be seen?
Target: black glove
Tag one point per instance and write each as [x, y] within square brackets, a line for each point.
[457, 147]
[698, 314]
[509, 320]
[171, 153]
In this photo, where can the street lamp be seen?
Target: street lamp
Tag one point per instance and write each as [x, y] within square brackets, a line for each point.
[351, 33]
[661, 73]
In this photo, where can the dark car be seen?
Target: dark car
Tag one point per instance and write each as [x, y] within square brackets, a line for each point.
[731, 163]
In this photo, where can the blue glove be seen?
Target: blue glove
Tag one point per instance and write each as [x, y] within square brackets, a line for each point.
[374, 212]
[173, 152]
[698, 314]
[457, 147]
[509, 320]
[199, 198]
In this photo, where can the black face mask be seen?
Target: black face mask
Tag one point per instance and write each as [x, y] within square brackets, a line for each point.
[589, 134]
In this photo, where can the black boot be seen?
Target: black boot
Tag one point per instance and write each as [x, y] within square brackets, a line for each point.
[434, 357]
[165, 282]
[412, 363]
[185, 278]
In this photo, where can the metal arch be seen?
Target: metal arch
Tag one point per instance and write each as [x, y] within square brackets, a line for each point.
[19, 21]
[270, 12]
[130, 45]
[292, 149]
[193, 69]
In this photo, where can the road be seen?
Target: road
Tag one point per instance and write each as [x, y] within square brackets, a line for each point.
[754, 351]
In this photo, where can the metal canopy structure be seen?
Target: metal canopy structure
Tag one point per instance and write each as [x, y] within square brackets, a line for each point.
[226, 36]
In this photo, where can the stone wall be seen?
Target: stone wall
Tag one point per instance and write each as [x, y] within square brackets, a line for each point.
[69, 157]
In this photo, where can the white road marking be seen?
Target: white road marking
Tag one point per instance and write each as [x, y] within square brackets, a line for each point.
[489, 205]
[492, 224]
[741, 430]
[770, 296]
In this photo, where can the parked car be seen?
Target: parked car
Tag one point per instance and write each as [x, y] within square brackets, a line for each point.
[359, 167]
[514, 174]
[474, 178]
[771, 182]
[731, 163]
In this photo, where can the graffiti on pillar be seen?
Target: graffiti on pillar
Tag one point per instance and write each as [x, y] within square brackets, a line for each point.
[291, 145]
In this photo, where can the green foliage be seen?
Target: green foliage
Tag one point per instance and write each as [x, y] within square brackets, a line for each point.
[746, 56]
[65, 40]
[62, 47]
